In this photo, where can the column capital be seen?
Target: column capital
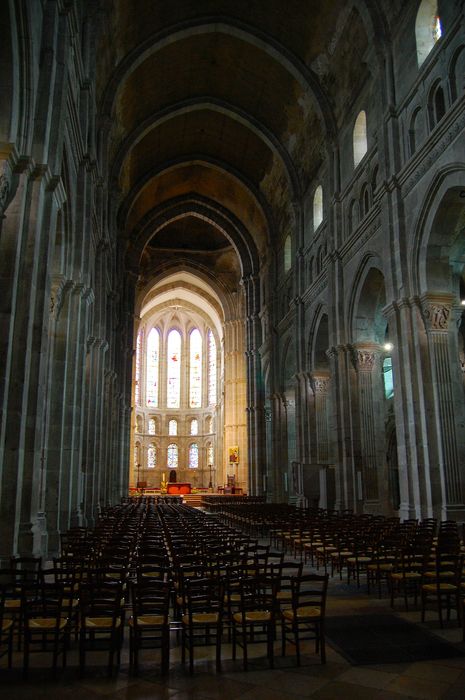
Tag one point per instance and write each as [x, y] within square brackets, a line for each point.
[320, 382]
[364, 356]
[436, 309]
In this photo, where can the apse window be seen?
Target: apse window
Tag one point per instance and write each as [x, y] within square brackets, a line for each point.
[360, 138]
[194, 426]
[193, 456]
[173, 427]
[287, 254]
[428, 29]
[388, 379]
[172, 456]
[151, 457]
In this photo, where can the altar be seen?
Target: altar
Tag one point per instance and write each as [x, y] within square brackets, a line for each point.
[178, 487]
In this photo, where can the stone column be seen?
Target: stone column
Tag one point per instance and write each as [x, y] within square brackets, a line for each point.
[437, 315]
[321, 384]
[341, 433]
[235, 426]
[365, 360]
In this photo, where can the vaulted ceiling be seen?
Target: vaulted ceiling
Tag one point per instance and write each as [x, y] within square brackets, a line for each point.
[221, 112]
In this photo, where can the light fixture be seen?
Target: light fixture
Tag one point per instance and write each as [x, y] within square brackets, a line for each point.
[463, 302]
[388, 347]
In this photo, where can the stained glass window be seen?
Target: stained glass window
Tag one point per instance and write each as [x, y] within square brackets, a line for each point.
[210, 453]
[174, 369]
[211, 368]
[173, 427]
[193, 456]
[138, 366]
[152, 426]
[195, 370]
[194, 426]
[153, 346]
[151, 457]
[172, 457]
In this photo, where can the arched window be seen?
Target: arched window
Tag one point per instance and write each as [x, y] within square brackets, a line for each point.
[153, 347]
[195, 369]
[173, 427]
[287, 254]
[194, 426]
[193, 456]
[457, 74]
[172, 456]
[388, 378]
[211, 368]
[174, 369]
[137, 455]
[151, 456]
[428, 29]
[436, 105]
[317, 207]
[365, 200]
[360, 138]
[210, 454]
[152, 426]
[138, 369]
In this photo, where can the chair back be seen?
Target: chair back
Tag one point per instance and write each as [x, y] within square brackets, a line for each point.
[309, 591]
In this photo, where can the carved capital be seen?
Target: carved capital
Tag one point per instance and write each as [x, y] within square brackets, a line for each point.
[320, 384]
[364, 360]
[437, 312]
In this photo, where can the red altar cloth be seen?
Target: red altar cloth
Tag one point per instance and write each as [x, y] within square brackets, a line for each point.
[178, 487]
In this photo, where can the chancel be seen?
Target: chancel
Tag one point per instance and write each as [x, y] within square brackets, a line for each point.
[232, 262]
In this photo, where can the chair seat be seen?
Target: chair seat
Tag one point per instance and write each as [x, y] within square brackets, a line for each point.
[201, 618]
[284, 595]
[101, 622]
[7, 625]
[381, 567]
[302, 613]
[449, 587]
[47, 623]
[12, 603]
[398, 576]
[253, 616]
[360, 560]
[442, 574]
[147, 621]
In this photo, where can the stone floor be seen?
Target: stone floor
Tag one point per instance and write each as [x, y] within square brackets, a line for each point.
[432, 680]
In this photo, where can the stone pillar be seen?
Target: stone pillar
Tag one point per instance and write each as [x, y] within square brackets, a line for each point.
[365, 360]
[409, 403]
[235, 426]
[341, 432]
[437, 315]
[321, 384]
[254, 386]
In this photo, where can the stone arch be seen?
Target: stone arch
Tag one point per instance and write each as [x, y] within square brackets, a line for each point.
[457, 73]
[439, 247]
[319, 342]
[216, 105]
[367, 323]
[201, 207]
[299, 71]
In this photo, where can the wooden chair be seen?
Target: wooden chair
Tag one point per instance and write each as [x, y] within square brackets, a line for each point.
[6, 630]
[305, 619]
[255, 621]
[149, 624]
[441, 585]
[202, 621]
[45, 622]
[101, 621]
